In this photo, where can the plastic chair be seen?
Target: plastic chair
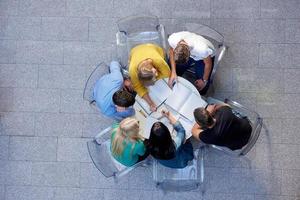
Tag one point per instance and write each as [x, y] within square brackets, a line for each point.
[241, 111]
[255, 120]
[96, 74]
[216, 38]
[135, 30]
[99, 151]
[188, 178]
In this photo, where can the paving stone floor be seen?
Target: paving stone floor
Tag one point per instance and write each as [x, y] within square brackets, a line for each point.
[49, 47]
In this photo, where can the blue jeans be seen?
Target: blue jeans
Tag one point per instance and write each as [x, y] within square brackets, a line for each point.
[199, 70]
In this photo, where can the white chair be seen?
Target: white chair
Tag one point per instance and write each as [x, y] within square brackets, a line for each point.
[135, 30]
[185, 179]
[99, 151]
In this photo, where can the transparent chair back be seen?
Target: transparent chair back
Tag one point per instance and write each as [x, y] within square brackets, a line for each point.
[135, 30]
[99, 151]
[96, 74]
[185, 179]
[216, 39]
[256, 123]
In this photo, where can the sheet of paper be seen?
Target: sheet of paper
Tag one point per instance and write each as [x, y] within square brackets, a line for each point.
[187, 125]
[160, 90]
[192, 102]
[158, 93]
[148, 125]
[179, 95]
[141, 116]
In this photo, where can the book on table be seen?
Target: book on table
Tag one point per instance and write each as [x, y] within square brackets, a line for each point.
[158, 92]
[184, 101]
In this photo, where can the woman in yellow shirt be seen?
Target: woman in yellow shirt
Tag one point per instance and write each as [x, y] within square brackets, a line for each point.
[146, 65]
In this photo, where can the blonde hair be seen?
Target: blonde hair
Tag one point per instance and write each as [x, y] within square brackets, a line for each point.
[145, 73]
[128, 130]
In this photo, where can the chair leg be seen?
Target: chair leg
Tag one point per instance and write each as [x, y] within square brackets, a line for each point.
[202, 170]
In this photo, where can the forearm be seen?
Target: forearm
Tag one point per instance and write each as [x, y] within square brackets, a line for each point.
[172, 61]
[148, 99]
[180, 136]
[207, 68]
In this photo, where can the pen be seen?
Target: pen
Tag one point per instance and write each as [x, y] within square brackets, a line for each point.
[140, 111]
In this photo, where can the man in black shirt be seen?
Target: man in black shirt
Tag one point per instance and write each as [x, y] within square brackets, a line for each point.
[218, 125]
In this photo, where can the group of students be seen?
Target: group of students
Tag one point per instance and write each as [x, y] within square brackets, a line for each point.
[115, 95]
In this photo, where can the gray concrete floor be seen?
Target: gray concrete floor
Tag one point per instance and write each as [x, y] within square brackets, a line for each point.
[47, 50]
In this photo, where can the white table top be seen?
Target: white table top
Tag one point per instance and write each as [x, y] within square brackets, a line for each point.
[142, 116]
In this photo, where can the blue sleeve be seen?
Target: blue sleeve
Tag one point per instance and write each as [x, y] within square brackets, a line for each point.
[127, 113]
[180, 136]
[115, 71]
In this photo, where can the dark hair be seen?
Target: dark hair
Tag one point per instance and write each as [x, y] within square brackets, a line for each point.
[160, 144]
[123, 98]
[203, 118]
[181, 54]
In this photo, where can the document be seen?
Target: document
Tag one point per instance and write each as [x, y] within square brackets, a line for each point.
[184, 101]
[158, 92]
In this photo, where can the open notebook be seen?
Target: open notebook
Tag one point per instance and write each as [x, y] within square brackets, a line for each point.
[184, 101]
[158, 93]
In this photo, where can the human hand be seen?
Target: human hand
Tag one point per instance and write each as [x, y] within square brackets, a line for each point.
[165, 113]
[153, 107]
[173, 77]
[200, 84]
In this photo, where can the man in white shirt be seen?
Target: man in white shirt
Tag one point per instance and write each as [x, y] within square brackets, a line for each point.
[191, 50]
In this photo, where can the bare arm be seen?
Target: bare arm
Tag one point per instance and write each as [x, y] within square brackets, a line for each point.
[170, 116]
[148, 99]
[173, 75]
[207, 68]
[196, 130]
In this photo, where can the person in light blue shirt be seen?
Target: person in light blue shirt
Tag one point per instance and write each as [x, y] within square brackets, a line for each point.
[114, 95]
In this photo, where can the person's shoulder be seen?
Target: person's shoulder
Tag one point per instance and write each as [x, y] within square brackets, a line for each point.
[174, 38]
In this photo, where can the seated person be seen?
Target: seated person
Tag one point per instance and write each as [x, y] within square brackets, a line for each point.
[187, 50]
[218, 125]
[127, 145]
[170, 153]
[146, 65]
[114, 95]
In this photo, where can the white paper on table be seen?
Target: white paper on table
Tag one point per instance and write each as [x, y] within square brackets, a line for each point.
[158, 93]
[187, 125]
[160, 90]
[178, 97]
[193, 101]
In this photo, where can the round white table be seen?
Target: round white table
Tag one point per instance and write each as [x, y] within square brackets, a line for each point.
[142, 116]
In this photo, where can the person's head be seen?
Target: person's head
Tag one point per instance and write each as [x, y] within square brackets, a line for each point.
[122, 98]
[147, 73]
[160, 142]
[181, 53]
[128, 130]
[203, 118]
[127, 85]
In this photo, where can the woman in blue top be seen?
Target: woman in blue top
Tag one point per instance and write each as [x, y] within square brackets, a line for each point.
[169, 152]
